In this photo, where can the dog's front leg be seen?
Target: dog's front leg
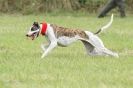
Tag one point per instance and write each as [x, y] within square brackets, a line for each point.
[52, 40]
[50, 47]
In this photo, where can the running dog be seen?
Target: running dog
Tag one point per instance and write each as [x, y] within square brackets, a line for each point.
[62, 36]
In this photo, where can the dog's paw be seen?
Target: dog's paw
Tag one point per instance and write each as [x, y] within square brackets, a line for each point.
[116, 55]
[43, 55]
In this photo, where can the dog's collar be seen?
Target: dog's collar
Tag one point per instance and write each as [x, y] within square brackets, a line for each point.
[43, 28]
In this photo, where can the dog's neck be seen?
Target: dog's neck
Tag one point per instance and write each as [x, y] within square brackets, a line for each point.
[43, 28]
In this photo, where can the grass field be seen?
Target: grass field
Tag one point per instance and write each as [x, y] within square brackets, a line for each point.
[22, 67]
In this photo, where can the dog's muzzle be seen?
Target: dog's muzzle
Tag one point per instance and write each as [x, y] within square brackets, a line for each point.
[27, 35]
[31, 36]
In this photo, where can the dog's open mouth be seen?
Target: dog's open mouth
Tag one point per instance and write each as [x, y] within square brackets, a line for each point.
[31, 36]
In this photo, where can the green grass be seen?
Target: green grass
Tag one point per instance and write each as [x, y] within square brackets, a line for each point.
[22, 67]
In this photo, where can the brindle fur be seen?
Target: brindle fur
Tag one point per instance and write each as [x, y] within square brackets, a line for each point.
[62, 31]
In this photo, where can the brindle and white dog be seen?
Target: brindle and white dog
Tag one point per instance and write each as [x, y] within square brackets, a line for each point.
[62, 36]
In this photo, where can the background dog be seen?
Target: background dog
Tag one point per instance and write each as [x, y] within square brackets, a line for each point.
[62, 36]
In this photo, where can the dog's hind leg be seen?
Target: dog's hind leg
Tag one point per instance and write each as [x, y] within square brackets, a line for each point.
[109, 52]
[93, 51]
[89, 48]
[99, 48]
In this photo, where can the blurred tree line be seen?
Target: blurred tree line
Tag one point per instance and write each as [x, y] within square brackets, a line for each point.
[34, 6]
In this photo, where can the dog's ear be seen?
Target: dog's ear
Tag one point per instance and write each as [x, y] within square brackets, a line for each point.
[36, 24]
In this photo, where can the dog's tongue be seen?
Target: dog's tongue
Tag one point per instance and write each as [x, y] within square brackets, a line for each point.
[32, 37]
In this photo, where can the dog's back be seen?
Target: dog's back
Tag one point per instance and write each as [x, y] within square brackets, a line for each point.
[62, 31]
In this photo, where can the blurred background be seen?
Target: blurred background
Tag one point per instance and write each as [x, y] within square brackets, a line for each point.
[48, 6]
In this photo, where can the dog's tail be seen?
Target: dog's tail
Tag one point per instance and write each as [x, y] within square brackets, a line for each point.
[106, 26]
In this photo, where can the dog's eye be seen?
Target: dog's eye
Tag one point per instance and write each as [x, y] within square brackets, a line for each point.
[33, 28]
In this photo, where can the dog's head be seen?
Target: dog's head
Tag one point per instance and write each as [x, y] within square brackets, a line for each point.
[33, 31]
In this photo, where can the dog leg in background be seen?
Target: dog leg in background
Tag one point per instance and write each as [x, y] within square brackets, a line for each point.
[44, 46]
[52, 40]
[50, 47]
